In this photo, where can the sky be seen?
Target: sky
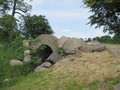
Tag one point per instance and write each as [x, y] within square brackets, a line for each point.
[66, 17]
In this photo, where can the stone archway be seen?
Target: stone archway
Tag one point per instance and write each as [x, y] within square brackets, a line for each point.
[46, 39]
[43, 52]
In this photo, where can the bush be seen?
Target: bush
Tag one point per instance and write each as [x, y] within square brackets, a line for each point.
[61, 52]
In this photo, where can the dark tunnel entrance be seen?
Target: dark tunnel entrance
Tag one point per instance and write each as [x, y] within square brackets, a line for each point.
[43, 52]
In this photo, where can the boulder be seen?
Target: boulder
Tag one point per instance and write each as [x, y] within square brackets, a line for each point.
[62, 40]
[72, 45]
[54, 57]
[85, 48]
[116, 87]
[46, 64]
[15, 62]
[98, 48]
[27, 57]
[26, 43]
[40, 68]
[115, 51]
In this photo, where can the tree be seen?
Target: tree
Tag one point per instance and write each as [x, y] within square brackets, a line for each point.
[106, 39]
[8, 24]
[8, 28]
[19, 7]
[33, 26]
[4, 6]
[116, 39]
[105, 13]
[16, 6]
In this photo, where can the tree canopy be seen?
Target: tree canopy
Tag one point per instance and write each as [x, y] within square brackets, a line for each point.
[16, 6]
[8, 28]
[105, 13]
[33, 26]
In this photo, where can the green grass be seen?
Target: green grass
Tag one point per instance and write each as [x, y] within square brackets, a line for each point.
[41, 81]
[47, 80]
[9, 51]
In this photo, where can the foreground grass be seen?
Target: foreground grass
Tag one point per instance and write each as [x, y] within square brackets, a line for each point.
[48, 80]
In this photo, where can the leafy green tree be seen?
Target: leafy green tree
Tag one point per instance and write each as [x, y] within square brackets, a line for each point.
[8, 23]
[116, 39]
[19, 7]
[88, 40]
[16, 6]
[105, 13]
[8, 28]
[4, 6]
[106, 39]
[33, 26]
[97, 38]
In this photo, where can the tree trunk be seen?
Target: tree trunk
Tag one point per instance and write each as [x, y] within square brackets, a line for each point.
[14, 8]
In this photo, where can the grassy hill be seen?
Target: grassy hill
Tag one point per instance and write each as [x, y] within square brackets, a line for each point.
[75, 73]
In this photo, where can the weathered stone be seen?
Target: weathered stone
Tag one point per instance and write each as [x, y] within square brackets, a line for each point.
[15, 62]
[62, 40]
[116, 87]
[40, 68]
[54, 57]
[85, 48]
[98, 48]
[26, 43]
[27, 57]
[46, 39]
[46, 64]
[72, 45]
[115, 51]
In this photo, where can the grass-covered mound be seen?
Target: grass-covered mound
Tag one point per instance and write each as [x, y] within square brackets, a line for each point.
[83, 73]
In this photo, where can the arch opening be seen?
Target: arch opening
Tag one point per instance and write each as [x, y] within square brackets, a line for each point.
[43, 52]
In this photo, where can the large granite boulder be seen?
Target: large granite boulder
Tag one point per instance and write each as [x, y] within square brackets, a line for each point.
[72, 45]
[98, 48]
[54, 57]
[14, 62]
[62, 40]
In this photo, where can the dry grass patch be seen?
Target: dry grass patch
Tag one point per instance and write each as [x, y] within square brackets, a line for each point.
[90, 66]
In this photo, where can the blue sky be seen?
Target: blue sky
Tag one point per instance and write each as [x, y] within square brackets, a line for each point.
[66, 17]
